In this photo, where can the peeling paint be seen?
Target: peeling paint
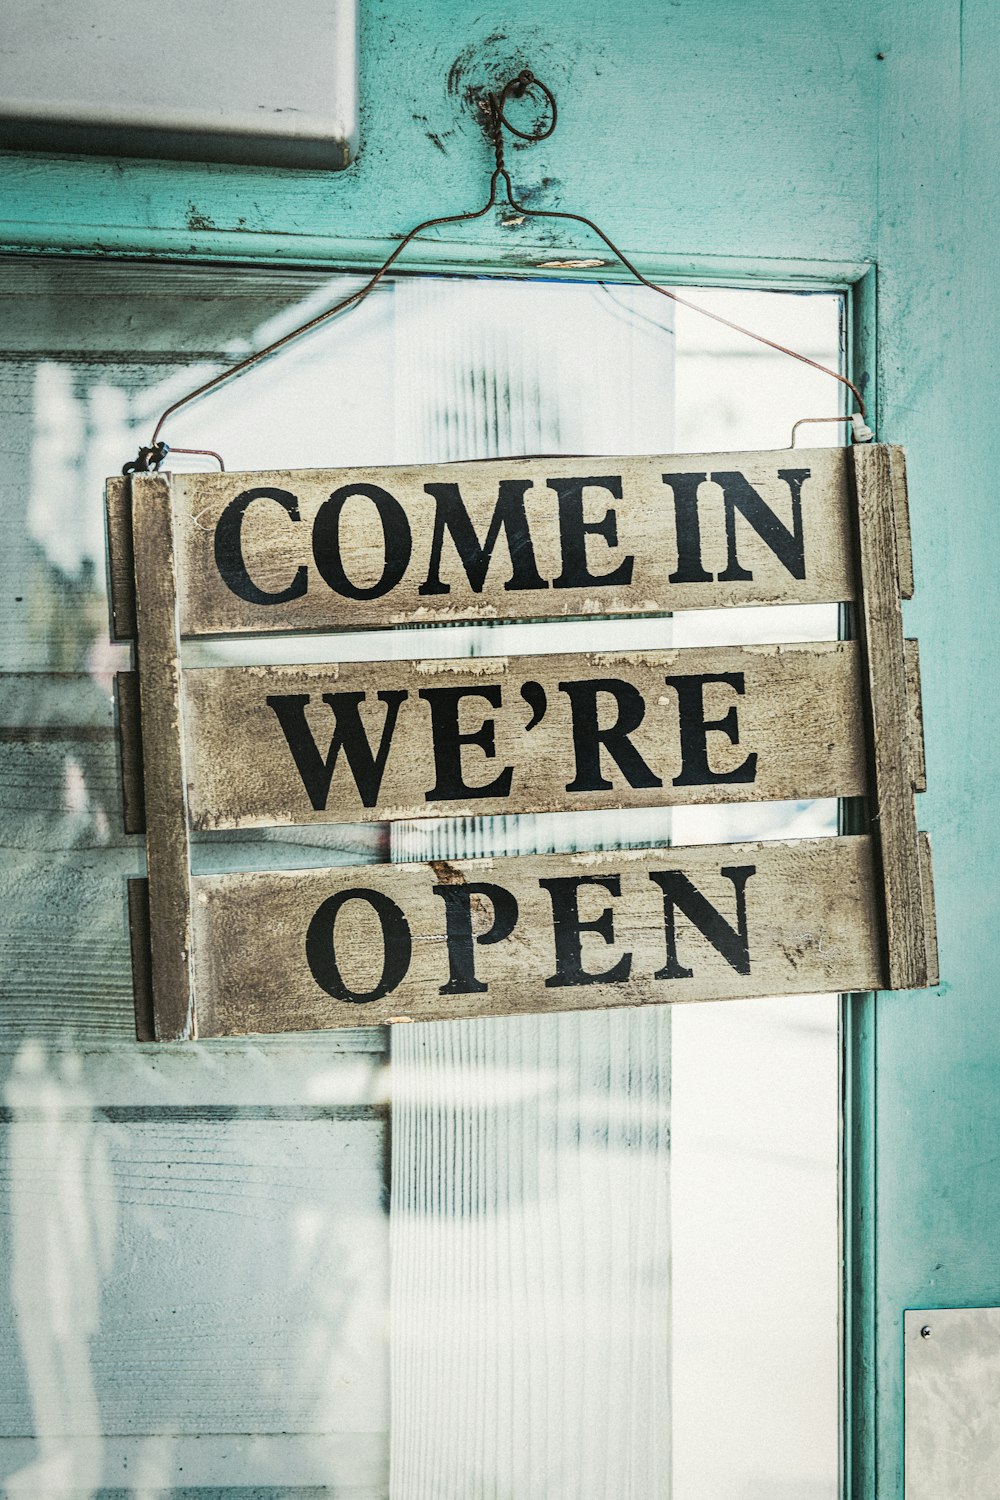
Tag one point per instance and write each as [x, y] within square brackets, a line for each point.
[195, 219]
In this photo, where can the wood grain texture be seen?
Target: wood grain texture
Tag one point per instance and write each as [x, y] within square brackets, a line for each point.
[893, 814]
[930, 909]
[277, 539]
[165, 780]
[901, 516]
[915, 717]
[224, 1275]
[64, 935]
[130, 751]
[810, 921]
[139, 944]
[61, 791]
[798, 714]
[121, 558]
[67, 978]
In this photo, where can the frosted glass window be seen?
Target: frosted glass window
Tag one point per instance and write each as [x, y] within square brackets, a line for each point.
[597, 1256]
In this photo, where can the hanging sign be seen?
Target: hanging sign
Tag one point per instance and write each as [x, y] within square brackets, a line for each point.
[252, 747]
[411, 739]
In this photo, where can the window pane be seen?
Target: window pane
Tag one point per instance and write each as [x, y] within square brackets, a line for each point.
[614, 1237]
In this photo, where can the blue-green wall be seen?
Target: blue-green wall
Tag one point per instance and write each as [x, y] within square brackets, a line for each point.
[766, 140]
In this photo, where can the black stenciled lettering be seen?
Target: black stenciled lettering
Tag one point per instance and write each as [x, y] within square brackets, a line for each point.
[229, 557]
[787, 545]
[448, 739]
[689, 564]
[508, 516]
[695, 729]
[568, 929]
[396, 540]
[458, 901]
[574, 530]
[732, 942]
[349, 735]
[589, 737]
[321, 947]
[534, 696]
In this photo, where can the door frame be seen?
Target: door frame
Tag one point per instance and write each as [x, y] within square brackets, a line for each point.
[164, 243]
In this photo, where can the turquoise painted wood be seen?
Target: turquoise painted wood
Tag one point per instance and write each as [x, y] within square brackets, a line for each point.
[745, 142]
[654, 100]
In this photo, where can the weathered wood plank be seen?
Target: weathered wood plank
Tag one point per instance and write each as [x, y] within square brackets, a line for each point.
[930, 912]
[915, 716]
[524, 538]
[164, 772]
[522, 734]
[788, 918]
[121, 558]
[893, 812]
[142, 978]
[130, 751]
[901, 503]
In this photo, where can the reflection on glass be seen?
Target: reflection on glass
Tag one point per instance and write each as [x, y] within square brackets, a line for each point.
[615, 1245]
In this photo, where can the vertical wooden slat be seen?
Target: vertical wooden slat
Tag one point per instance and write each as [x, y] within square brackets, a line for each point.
[167, 839]
[930, 914]
[138, 927]
[901, 512]
[130, 751]
[121, 562]
[880, 620]
[915, 725]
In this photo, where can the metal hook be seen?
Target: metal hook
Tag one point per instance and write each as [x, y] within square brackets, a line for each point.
[516, 88]
[148, 460]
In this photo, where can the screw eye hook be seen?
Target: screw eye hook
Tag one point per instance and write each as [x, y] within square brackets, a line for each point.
[516, 88]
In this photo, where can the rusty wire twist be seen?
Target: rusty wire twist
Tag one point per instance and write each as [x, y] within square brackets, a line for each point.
[152, 457]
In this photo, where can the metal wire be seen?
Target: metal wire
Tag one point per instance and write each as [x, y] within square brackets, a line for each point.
[804, 422]
[151, 457]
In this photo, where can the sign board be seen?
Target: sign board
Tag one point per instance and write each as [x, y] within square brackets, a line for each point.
[251, 747]
[355, 742]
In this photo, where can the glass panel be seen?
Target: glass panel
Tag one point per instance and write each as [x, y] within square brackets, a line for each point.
[588, 1212]
[755, 1332]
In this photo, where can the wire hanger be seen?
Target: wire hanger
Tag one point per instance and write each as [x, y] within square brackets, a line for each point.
[150, 459]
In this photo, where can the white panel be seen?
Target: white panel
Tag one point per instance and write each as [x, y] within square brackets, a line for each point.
[139, 78]
[952, 1421]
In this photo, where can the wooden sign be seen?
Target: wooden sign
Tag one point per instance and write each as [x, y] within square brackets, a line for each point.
[348, 947]
[513, 539]
[371, 742]
[250, 747]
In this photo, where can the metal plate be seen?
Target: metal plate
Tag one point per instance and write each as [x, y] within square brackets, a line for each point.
[182, 81]
[952, 1421]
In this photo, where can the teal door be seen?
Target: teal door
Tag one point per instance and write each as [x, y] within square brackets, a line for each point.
[781, 144]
